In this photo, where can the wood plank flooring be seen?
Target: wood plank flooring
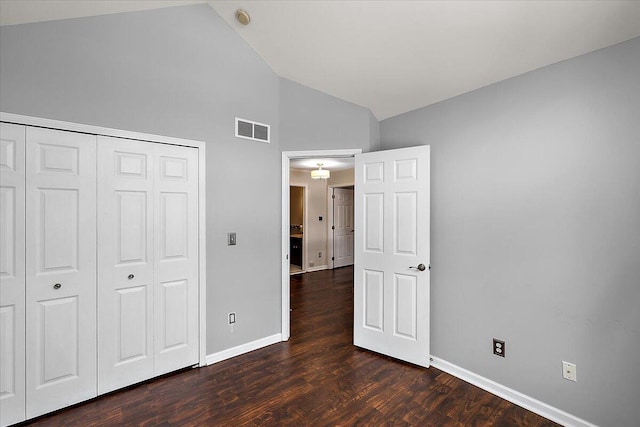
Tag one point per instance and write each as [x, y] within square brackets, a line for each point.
[317, 378]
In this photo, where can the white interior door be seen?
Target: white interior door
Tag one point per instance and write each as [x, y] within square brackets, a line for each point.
[12, 273]
[342, 227]
[60, 269]
[391, 295]
[176, 257]
[125, 262]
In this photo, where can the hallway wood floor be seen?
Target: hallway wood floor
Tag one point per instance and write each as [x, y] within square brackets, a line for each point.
[317, 378]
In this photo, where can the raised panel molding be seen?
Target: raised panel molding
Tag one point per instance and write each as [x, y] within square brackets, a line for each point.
[58, 159]
[131, 164]
[173, 168]
[58, 326]
[374, 222]
[374, 300]
[132, 324]
[174, 225]
[373, 173]
[405, 295]
[58, 230]
[7, 229]
[406, 212]
[174, 314]
[131, 232]
[7, 351]
[8, 154]
[406, 170]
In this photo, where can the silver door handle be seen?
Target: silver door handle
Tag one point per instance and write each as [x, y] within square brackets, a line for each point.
[420, 267]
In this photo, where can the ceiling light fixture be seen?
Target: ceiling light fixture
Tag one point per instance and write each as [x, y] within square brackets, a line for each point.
[320, 173]
[243, 17]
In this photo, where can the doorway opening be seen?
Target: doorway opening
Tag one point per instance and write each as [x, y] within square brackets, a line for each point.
[318, 255]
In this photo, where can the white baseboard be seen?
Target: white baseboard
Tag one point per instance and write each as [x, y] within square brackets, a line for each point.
[318, 268]
[242, 349]
[527, 402]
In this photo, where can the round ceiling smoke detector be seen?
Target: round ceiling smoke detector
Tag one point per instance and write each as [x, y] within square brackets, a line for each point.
[243, 17]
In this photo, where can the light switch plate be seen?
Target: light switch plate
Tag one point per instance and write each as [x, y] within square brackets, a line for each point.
[231, 239]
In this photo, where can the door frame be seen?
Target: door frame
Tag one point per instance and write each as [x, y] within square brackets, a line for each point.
[202, 216]
[286, 157]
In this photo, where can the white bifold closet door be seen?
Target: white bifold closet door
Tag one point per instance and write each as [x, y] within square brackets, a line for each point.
[12, 280]
[60, 269]
[125, 263]
[148, 260]
[175, 258]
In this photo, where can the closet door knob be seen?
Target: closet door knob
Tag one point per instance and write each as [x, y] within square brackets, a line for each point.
[131, 276]
[57, 286]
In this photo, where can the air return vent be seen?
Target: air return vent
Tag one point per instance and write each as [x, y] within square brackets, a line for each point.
[252, 130]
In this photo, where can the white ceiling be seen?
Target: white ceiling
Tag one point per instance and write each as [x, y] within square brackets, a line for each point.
[394, 56]
[25, 11]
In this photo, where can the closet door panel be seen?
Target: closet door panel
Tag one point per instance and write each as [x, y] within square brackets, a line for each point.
[12, 273]
[125, 263]
[176, 258]
[60, 269]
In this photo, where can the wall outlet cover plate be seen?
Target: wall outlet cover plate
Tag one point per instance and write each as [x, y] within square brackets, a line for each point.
[569, 371]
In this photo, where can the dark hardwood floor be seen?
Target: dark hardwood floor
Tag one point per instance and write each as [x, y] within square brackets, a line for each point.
[317, 378]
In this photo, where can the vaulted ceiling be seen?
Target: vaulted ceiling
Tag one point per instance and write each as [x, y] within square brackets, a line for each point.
[394, 56]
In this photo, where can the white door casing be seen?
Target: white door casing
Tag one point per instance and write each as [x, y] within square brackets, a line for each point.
[12, 273]
[391, 299]
[60, 269]
[125, 262]
[343, 227]
[175, 257]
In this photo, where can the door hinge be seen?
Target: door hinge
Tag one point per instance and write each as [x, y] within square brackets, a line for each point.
[333, 259]
[333, 196]
[333, 227]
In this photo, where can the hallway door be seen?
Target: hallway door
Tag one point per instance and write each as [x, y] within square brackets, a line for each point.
[391, 287]
[342, 227]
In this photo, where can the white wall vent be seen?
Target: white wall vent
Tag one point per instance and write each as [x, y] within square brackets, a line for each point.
[253, 130]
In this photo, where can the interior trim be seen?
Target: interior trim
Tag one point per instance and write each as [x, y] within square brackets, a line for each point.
[534, 405]
[243, 348]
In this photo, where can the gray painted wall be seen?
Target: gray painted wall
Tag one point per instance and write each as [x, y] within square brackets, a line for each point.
[313, 120]
[179, 72]
[536, 230]
[374, 133]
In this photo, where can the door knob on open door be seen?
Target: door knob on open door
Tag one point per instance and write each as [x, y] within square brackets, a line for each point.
[420, 267]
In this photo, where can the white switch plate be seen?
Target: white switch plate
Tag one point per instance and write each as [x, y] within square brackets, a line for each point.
[569, 371]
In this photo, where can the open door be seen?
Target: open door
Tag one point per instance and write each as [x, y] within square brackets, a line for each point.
[392, 216]
[342, 227]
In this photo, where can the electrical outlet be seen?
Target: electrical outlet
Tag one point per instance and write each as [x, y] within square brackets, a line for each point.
[569, 371]
[232, 318]
[319, 254]
[231, 239]
[498, 347]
